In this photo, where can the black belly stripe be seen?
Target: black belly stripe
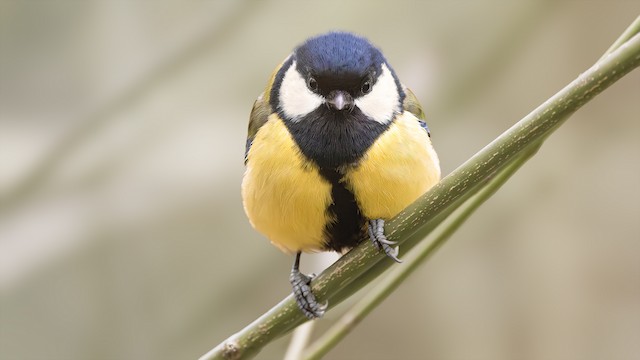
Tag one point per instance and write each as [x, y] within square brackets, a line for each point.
[348, 229]
[335, 140]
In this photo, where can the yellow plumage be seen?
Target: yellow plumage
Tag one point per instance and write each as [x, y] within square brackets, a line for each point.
[399, 167]
[336, 145]
[284, 196]
[286, 199]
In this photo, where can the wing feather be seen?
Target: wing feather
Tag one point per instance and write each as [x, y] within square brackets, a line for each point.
[412, 105]
[259, 115]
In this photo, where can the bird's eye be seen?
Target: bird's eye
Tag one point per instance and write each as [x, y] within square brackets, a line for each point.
[366, 87]
[312, 83]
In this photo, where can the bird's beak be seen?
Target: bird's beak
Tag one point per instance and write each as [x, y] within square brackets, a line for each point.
[340, 100]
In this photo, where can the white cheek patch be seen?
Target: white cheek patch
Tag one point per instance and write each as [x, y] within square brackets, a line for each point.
[383, 102]
[296, 100]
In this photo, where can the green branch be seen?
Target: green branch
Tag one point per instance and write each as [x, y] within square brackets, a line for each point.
[633, 29]
[364, 262]
[398, 274]
[427, 247]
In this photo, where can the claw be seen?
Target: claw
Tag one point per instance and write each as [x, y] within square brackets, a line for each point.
[376, 233]
[393, 253]
[301, 285]
[388, 242]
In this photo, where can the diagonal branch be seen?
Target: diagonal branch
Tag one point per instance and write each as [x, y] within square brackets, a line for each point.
[423, 250]
[364, 262]
[427, 247]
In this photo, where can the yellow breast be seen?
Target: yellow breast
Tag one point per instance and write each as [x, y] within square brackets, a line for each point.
[399, 167]
[284, 196]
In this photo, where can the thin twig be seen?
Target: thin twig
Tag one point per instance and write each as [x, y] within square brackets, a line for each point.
[633, 29]
[398, 274]
[337, 282]
[426, 248]
[299, 341]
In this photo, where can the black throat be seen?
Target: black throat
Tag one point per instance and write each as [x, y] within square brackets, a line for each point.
[335, 140]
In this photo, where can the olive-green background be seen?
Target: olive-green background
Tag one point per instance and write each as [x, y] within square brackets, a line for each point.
[132, 242]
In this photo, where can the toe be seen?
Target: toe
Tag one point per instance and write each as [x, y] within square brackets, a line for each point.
[305, 299]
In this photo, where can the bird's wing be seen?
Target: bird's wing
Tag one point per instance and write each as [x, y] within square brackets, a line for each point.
[412, 105]
[259, 115]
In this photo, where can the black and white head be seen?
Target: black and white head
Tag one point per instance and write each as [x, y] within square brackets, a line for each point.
[337, 94]
[340, 71]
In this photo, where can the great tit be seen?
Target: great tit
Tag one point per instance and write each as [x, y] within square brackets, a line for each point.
[336, 145]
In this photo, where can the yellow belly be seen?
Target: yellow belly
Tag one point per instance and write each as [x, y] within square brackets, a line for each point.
[284, 196]
[286, 199]
[399, 167]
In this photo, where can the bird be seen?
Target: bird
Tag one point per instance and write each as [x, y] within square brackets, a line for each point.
[336, 146]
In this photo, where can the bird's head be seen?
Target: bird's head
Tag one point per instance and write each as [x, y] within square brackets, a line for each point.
[339, 71]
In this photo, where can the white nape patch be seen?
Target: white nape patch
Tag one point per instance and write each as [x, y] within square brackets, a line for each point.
[383, 101]
[296, 100]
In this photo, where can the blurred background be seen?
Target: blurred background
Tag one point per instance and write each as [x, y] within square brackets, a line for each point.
[122, 133]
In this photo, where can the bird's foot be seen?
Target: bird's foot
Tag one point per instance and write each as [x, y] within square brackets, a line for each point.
[307, 302]
[376, 233]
